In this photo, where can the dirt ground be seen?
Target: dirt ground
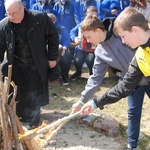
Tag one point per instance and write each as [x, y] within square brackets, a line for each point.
[77, 136]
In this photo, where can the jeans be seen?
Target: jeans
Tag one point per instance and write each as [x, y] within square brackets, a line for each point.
[81, 57]
[135, 102]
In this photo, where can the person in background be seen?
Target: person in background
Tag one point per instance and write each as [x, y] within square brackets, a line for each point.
[64, 62]
[2, 10]
[80, 8]
[124, 4]
[26, 3]
[64, 11]
[133, 29]
[23, 35]
[32, 2]
[142, 6]
[110, 8]
[43, 6]
[84, 51]
[113, 4]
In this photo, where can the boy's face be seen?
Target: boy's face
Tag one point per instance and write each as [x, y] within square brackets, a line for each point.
[129, 38]
[94, 37]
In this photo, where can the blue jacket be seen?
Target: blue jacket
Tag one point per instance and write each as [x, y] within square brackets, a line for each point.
[2, 9]
[47, 7]
[80, 7]
[74, 34]
[124, 4]
[64, 37]
[107, 6]
[65, 14]
[26, 4]
[32, 2]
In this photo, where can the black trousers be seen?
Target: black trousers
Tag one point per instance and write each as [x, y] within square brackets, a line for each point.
[30, 91]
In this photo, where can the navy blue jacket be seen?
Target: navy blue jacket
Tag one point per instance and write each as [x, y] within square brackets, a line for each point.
[65, 14]
[47, 7]
[80, 7]
[26, 3]
[2, 9]
[64, 37]
[107, 6]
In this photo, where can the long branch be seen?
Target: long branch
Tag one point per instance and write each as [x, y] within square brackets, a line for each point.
[32, 134]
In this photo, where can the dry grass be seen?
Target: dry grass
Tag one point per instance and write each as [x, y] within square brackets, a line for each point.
[63, 97]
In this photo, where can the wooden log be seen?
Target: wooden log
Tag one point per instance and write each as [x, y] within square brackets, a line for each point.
[9, 78]
[14, 127]
[4, 121]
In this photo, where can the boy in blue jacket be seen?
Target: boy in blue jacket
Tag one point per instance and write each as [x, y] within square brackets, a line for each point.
[80, 8]
[64, 11]
[43, 6]
[84, 51]
[64, 61]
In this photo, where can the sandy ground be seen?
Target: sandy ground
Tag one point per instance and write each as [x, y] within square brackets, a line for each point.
[77, 136]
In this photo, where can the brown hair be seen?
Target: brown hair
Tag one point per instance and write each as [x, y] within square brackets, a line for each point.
[138, 3]
[128, 18]
[92, 22]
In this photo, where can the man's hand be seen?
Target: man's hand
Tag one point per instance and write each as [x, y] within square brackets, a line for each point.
[52, 64]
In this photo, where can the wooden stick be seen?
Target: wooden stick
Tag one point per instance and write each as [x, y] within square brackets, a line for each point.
[14, 126]
[9, 78]
[4, 120]
[26, 144]
[52, 135]
[32, 134]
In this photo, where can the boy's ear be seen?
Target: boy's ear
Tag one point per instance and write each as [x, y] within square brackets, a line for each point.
[135, 29]
[98, 29]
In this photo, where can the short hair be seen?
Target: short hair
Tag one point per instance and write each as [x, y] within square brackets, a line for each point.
[19, 2]
[91, 9]
[128, 18]
[91, 22]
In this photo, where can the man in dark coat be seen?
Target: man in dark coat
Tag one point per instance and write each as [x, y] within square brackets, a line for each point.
[23, 36]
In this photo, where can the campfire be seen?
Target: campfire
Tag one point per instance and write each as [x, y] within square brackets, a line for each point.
[12, 134]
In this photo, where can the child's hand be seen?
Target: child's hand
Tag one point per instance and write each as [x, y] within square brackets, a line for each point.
[114, 11]
[77, 106]
[87, 108]
[77, 40]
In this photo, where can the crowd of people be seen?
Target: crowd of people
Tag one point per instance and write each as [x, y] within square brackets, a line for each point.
[37, 37]
[70, 14]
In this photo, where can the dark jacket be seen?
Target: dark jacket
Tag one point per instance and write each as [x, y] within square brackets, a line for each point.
[41, 29]
[125, 87]
[110, 52]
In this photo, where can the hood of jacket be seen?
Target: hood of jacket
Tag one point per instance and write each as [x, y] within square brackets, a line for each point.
[109, 24]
